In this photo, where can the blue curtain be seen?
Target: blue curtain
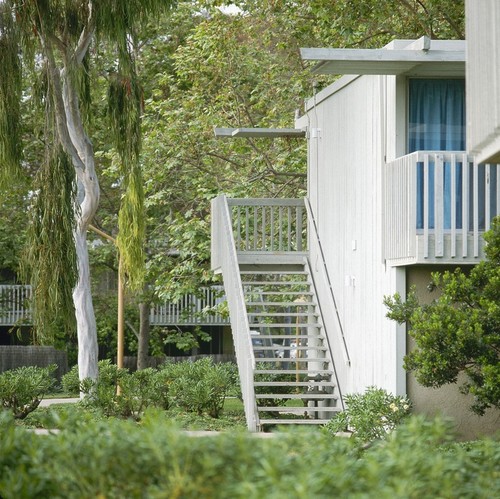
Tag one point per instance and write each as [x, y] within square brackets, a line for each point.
[437, 123]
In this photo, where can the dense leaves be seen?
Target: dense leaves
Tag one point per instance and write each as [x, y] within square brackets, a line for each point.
[371, 415]
[51, 254]
[201, 67]
[22, 389]
[459, 332]
[153, 459]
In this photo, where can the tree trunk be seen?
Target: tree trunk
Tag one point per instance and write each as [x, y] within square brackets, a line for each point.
[79, 147]
[143, 343]
[84, 311]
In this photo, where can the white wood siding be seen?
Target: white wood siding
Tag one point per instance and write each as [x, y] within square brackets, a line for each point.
[346, 156]
[483, 79]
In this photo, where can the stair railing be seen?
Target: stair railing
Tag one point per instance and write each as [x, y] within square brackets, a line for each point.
[225, 260]
[313, 231]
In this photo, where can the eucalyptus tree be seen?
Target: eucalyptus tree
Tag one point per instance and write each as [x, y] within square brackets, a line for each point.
[55, 42]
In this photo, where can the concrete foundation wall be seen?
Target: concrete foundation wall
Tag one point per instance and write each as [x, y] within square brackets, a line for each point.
[446, 400]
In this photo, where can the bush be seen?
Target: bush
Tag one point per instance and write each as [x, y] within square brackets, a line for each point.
[201, 386]
[137, 391]
[371, 415]
[22, 389]
[115, 458]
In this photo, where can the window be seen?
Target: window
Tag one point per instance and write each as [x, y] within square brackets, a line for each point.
[436, 115]
[436, 122]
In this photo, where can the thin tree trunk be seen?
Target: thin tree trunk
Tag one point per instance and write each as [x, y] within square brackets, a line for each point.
[79, 147]
[144, 333]
[84, 311]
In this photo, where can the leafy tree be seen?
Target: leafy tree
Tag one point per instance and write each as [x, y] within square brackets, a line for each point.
[242, 70]
[54, 40]
[459, 332]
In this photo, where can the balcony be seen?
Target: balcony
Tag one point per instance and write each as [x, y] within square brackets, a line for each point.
[15, 308]
[438, 204]
[265, 231]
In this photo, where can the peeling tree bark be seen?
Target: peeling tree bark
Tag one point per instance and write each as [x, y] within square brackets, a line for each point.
[88, 201]
[79, 148]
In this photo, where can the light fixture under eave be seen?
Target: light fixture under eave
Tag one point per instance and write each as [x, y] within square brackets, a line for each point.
[270, 133]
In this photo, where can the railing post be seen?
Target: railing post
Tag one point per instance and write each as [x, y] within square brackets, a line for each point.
[439, 197]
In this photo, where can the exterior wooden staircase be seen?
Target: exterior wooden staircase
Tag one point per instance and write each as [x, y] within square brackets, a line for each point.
[294, 380]
[284, 359]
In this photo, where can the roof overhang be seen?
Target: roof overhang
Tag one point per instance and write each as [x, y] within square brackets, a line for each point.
[420, 57]
[270, 133]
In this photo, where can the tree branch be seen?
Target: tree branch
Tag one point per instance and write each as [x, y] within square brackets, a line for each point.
[61, 122]
[85, 36]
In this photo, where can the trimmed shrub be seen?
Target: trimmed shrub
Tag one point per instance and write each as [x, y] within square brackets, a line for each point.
[201, 386]
[22, 389]
[116, 458]
[371, 415]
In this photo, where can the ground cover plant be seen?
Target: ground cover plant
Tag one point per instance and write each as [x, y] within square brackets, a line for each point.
[153, 459]
[200, 387]
[370, 415]
[22, 389]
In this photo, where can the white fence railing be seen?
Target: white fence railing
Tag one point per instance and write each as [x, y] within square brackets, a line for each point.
[15, 308]
[268, 225]
[192, 309]
[445, 199]
[15, 304]
[225, 260]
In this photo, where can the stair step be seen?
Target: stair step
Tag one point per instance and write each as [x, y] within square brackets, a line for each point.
[293, 421]
[307, 384]
[292, 410]
[280, 304]
[288, 359]
[273, 272]
[289, 337]
[282, 293]
[283, 347]
[283, 314]
[283, 324]
[274, 283]
[297, 396]
[293, 371]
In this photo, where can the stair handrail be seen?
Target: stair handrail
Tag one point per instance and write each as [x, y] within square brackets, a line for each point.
[326, 275]
[307, 266]
[225, 260]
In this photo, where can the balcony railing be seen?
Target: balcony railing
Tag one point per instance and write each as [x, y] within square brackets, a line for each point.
[437, 207]
[192, 310]
[268, 228]
[15, 308]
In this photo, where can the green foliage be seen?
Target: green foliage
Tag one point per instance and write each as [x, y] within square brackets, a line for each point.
[10, 96]
[50, 254]
[125, 110]
[459, 331]
[371, 415]
[185, 340]
[106, 310]
[22, 389]
[201, 386]
[102, 458]
[137, 391]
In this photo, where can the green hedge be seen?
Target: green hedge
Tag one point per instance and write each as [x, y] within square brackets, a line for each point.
[119, 458]
[22, 389]
[200, 387]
